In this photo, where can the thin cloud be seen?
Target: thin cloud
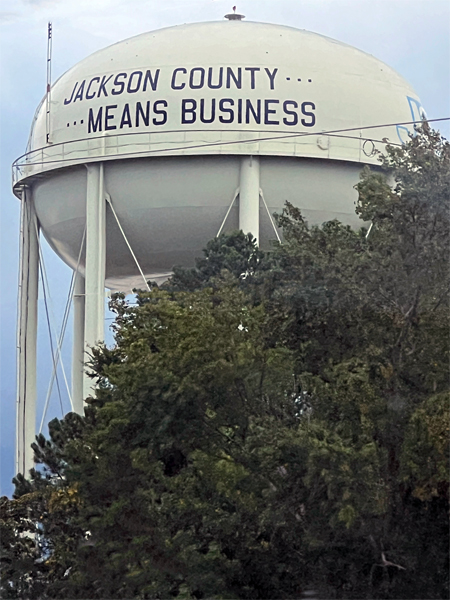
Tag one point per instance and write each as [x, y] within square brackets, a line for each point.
[40, 2]
[8, 17]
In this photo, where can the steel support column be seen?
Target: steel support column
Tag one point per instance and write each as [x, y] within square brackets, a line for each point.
[78, 356]
[27, 335]
[249, 196]
[95, 263]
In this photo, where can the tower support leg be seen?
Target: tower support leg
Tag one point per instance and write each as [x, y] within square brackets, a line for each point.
[249, 196]
[95, 263]
[78, 357]
[27, 335]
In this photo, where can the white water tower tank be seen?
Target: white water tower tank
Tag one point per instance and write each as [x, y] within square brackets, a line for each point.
[150, 147]
[171, 113]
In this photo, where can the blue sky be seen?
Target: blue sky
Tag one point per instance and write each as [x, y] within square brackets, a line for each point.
[412, 36]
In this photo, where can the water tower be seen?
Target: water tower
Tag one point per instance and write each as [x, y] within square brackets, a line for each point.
[145, 150]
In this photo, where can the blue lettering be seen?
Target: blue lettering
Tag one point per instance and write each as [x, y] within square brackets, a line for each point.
[269, 111]
[126, 117]
[174, 86]
[223, 109]
[200, 84]
[108, 117]
[312, 122]
[215, 86]
[291, 113]
[130, 89]
[94, 126]
[231, 76]
[66, 101]
[271, 77]
[102, 86]
[163, 113]
[252, 75]
[211, 119]
[79, 95]
[145, 116]
[89, 96]
[149, 79]
[249, 108]
[186, 110]
[119, 83]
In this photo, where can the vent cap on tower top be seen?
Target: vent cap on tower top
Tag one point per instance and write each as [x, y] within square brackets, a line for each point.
[234, 16]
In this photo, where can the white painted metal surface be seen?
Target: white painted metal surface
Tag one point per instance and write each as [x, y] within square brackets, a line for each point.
[249, 183]
[170, 207]
[95, 262]
[185, 103]
[207, 88]
[78, 350]
[27, 335]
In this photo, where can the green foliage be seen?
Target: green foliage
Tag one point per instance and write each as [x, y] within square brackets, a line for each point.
[425, 457]
[264, 421]
[235, 252]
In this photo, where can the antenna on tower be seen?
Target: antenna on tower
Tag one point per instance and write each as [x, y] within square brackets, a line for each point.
[49, 82]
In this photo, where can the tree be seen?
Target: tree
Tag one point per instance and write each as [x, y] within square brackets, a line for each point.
[366, 316]
[234, 252]
[264, 421]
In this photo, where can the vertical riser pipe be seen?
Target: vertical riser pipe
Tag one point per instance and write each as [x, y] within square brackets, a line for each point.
[95, 264]
[249, 196]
